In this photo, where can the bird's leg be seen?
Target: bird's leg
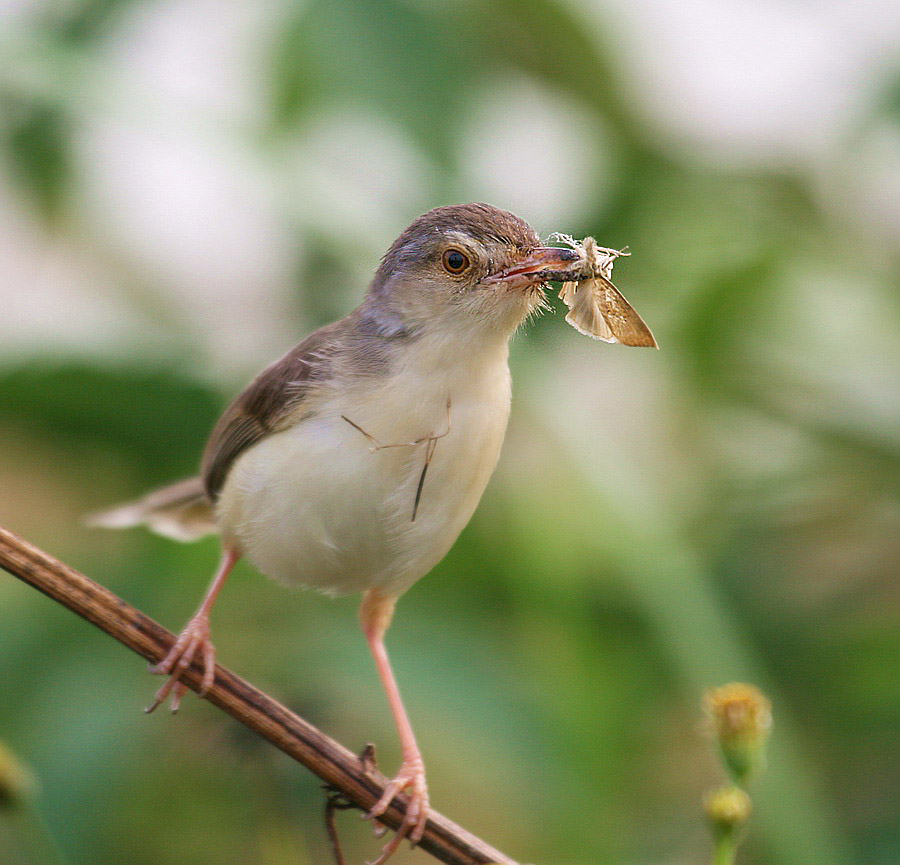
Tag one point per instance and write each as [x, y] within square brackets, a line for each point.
[375, 615]
[192, 640]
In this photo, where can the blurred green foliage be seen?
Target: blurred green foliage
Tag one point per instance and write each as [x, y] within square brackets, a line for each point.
[660, 522]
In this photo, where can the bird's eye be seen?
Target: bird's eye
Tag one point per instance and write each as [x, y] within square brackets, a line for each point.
[454, 261]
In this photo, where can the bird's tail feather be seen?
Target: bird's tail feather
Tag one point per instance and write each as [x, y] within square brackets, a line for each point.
[180, 511]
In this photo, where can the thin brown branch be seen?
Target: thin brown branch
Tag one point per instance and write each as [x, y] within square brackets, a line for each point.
[328, 759]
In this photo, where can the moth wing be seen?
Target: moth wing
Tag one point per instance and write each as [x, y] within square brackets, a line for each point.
[620, 316]
[585, 313]
[567, 293]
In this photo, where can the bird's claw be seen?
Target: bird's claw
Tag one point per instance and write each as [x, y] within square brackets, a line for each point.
[192, 640]
[411, 776]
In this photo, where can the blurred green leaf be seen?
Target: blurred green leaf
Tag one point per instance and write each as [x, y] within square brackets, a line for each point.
[156, 418]
[36, 141]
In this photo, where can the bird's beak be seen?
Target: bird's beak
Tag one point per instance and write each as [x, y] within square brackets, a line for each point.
[530, 269]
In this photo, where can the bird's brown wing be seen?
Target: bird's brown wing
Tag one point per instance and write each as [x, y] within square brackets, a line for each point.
[276, 394]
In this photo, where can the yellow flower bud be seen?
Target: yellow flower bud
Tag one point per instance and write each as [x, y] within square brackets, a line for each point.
[741, 717]
[727, 810]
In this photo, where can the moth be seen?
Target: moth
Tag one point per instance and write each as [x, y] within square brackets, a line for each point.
[596, 307]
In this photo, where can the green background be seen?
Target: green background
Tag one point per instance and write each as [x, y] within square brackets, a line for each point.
[188, 188]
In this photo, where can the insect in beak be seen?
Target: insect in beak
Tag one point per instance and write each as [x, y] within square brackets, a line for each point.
[530, 269]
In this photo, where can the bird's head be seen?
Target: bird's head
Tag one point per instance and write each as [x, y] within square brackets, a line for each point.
[468, 265]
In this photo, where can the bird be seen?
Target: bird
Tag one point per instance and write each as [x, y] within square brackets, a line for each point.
[352, 464]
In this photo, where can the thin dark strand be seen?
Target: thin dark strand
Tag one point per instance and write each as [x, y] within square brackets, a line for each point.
[356, 426]
[335, 802]
[429, 454]
[431, 444]
[331, 761]
[419, 491]
[377, 446]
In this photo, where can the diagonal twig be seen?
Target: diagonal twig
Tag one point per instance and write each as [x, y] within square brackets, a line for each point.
[331, 761]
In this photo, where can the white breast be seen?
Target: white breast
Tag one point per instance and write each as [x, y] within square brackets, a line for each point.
[313, 505]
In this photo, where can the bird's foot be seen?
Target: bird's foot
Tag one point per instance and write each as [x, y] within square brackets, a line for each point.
[192, 642]
[412, 777]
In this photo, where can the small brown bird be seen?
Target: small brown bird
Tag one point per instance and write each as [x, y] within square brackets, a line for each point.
[353, 463]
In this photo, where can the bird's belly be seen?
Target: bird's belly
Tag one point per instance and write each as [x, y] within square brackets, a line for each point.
[314, 505]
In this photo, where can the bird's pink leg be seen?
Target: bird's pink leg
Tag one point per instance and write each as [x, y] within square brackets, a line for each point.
[192, 640]
[375, 615]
